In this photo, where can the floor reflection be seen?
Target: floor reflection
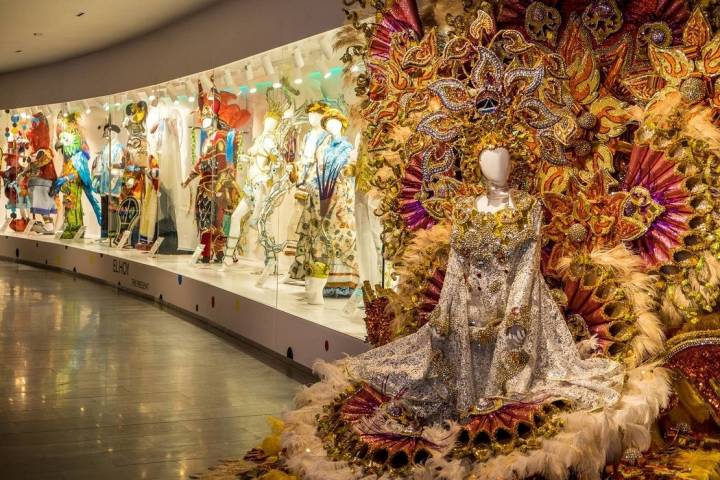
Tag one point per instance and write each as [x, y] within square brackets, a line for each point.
[98, 384]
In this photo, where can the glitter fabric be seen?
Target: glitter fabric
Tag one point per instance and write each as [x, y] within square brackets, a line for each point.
[496, 332]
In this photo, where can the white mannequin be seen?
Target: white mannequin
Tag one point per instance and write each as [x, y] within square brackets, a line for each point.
[334, 127]
[257, 156]
[314, 286]
[495, 167]
[307, 160]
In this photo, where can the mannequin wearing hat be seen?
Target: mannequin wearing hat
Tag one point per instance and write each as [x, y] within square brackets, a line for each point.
[331, 265]
[217, 191]
[107, 171]
[307, 207]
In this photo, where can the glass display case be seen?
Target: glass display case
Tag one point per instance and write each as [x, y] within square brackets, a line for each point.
[254, 173]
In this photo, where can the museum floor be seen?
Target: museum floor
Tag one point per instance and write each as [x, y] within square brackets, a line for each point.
[97, 384]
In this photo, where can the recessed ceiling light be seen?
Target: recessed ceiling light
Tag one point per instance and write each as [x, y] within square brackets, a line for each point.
[80, 14]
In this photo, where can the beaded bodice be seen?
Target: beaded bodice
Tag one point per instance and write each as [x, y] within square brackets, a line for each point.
[482, 236]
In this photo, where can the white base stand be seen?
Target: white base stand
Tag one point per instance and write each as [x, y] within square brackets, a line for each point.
[314, 290]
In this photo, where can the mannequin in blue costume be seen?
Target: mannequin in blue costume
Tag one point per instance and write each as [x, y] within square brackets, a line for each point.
[76, 178]
[335, 242]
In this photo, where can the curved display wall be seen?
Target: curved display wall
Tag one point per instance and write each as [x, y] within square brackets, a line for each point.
[245, 179]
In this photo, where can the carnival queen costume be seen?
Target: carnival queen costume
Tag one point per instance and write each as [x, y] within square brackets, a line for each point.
[486, 379]
[528, 340]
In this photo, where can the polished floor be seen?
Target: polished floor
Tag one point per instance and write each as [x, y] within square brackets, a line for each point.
[97, 384]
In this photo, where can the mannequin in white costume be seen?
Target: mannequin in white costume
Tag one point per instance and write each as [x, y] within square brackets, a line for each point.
[260, 157]
[164, 142]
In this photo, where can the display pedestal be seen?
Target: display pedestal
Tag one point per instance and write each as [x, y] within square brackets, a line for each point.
[272, 317]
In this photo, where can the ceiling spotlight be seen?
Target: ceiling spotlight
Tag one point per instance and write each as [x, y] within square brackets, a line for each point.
[298, 77]
[326, 73]
[249, 72]
[106, 107]
[206, 82]
[229, 80]
[298, 57]
[172, 91]
[326, 47]
[253, 90]
[268, 66]
[276, 85]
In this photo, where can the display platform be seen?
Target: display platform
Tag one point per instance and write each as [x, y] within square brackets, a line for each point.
[273, 316]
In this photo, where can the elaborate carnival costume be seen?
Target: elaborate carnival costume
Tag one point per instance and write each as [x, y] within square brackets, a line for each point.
[76, 177]
[164, 140]
[15, 184]
[326, 247]
[108, 169]
[41, 174]
[218, 193]
[608, 115]
[335, 176]
[262, 164]
[282, 174]
[307, 194]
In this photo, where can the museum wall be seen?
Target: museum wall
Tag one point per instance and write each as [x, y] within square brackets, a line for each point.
[223, 33]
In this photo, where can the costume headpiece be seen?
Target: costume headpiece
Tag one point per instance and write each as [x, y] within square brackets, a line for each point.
[317, 107]
[39, 134]
[334, 114]
[278, 102]
[136, 112]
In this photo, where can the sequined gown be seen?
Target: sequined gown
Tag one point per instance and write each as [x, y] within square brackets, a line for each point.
[496, 333]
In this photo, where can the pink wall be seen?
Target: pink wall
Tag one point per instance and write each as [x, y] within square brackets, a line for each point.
[225, 32]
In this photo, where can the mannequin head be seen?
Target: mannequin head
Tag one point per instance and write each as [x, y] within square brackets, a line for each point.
[315, 119]
[270, 124]
[495, 165]
[334, 127]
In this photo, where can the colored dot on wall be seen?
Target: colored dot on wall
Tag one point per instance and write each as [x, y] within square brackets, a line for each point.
[180, 279]
[212, 302]
[237, 305]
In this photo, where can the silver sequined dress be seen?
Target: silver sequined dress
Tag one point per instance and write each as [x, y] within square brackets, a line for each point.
[496, 332]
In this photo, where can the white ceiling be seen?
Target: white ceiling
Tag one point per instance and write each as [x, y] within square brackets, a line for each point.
[65, 35]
